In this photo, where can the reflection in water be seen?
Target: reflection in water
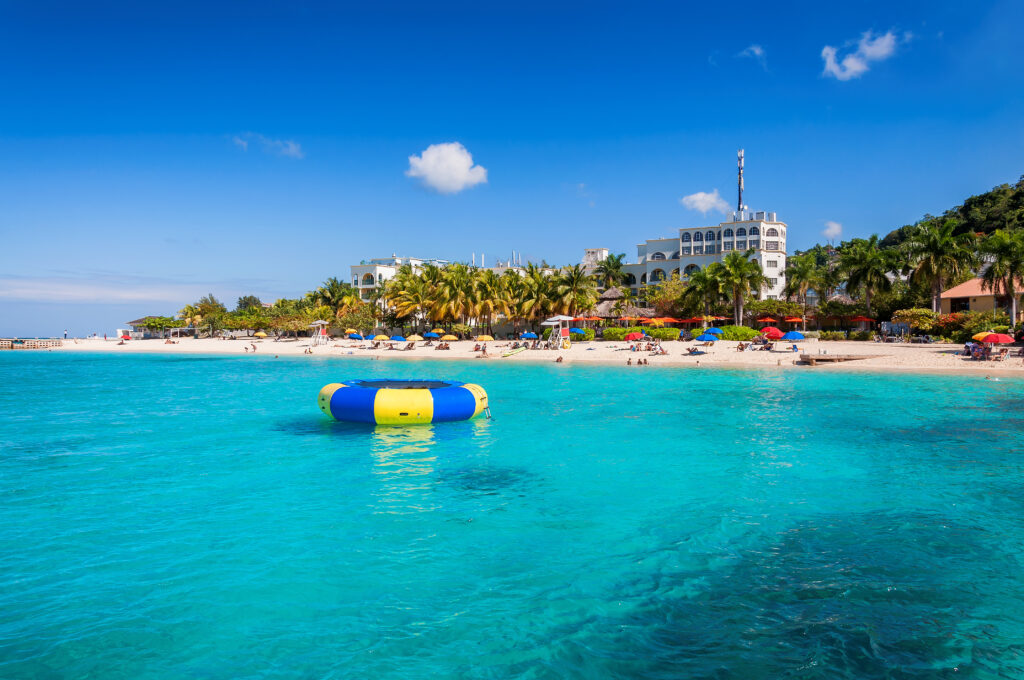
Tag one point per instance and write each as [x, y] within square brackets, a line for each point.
[403, 464]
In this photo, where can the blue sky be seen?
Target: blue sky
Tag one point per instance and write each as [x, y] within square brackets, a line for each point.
[152, 153]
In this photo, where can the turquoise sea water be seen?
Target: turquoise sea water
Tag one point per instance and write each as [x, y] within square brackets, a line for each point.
[198, 517]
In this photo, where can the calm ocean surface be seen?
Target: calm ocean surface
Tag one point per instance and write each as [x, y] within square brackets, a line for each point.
[198, 517]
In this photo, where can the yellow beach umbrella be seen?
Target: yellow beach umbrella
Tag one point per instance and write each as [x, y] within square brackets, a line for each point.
[350, 330]
[484, 338]
[448, 338]
[437, 330]
[979, 337]
[261, 334]
[381, 337]
[414, 338]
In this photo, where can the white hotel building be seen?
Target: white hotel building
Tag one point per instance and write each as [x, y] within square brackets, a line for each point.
[697, 247]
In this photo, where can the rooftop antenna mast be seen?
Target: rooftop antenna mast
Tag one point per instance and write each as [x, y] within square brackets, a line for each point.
[739, 180]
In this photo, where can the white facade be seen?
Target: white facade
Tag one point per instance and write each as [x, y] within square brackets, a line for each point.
[697, 247]
[368, 275]
[592, 257]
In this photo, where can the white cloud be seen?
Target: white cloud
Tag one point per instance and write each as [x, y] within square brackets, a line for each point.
[704, 202]
[854, 64]
[279, 147]
[832, 231]
[447, 168]
[755, 52]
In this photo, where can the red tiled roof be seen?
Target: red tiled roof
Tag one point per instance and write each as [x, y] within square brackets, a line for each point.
[972, 288]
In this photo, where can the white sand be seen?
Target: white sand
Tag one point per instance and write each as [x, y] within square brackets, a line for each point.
[883, 357]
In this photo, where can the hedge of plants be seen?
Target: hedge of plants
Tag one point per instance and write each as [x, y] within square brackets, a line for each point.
[587, 334]
[616, 334]
[741, 333]
[664, 333]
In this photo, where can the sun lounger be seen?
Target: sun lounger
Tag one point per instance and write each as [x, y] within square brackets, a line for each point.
[1002, 355]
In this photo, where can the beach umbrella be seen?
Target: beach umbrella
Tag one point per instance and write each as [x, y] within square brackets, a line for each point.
[634, 336]
[793, 335]
[431, 334]
[528, 335]
[714, 331]
[576, 330]
[793, 319]
[350, 330]
[997, 337]
[766, 319]
[771, 332]
[397, 338]
[438, 330]
[126, 337]
[449, 338]
[355, 336]
[484, 338]
[414, 338]
[261, 334]
[381, 337]
[707, 337]
[980, 336]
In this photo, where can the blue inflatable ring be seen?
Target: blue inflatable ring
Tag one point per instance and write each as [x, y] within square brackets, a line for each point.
[402, 402]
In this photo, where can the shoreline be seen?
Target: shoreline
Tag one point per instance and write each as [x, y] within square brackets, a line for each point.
[879, 357]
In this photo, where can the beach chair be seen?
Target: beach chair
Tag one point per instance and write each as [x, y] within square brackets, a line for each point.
[1002, 355]
[409, 346]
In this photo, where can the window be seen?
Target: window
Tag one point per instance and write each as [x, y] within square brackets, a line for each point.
[741, 245]
[754, 231]
[710, 236]
[657, 275]
[690, 269]
[772, 283]
[686, 250]
[630, 280]
[367, 279]
[355, 281]
[674, 256]
[771, 245]
[772, 264]
[755, 243]
[727, 245]
[698, 250]
[772, 231]
[727, 233]
[698, 237]
[657, 256]
[380, 278]
[741, 233]
[686, 237]
[643, 279]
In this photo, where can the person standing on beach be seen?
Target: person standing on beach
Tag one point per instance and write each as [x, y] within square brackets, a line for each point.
[65, 333]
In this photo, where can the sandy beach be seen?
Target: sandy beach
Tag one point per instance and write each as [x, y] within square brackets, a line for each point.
[881, 356]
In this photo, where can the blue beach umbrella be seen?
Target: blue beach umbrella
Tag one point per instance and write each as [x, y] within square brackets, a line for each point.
[398, 338]
[355, 336]
[576, 330]
[707, 337]
[529, 335]
[793, 335]
[431, 334]
[714, 331]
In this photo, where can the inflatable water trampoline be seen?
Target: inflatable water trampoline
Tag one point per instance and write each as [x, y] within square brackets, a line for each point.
[402, 402]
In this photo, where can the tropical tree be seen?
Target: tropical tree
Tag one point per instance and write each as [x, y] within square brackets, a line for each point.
[247, 302]
[609, 272]
[705, 287]
[335, 294]
[802, 274]
[490, 297]
[191, 317]
[936, 252]
[574, 290]
[741, 276]
[1004, 268]
[867, 267]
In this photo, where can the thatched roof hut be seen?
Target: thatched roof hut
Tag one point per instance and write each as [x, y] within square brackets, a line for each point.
[610, 305]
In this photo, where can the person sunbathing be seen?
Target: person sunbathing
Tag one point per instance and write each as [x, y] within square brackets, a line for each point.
[741, 347]
[694, 350]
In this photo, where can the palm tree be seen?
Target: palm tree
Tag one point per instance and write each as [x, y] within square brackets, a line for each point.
[191, 316]
[866, 266]
[936, 254]
[1005, 265]
[416, 299]
[490, 297]
[741, 276]
[574, 290]
[536, 302]
[331, 293]
[705, 287]
[802, 274]
[609, 270]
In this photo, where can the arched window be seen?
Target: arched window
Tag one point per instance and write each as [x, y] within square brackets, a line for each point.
[727, 233]
[710, 236]
[658, 256]
[643, 279]
[657, 275]
[686, 237]
[698, 237]
[690, 269]
[380, 278]
[772, 231]
[630, 280]
[754, 231]
[741, 233]
[367, 279]
[675, 256]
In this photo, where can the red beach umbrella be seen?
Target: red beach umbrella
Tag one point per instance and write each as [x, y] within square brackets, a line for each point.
[793, 319]
[767, 319]
[997, 337]
[128, 337]
[862, 319]
[771, 332]
[634, 336]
